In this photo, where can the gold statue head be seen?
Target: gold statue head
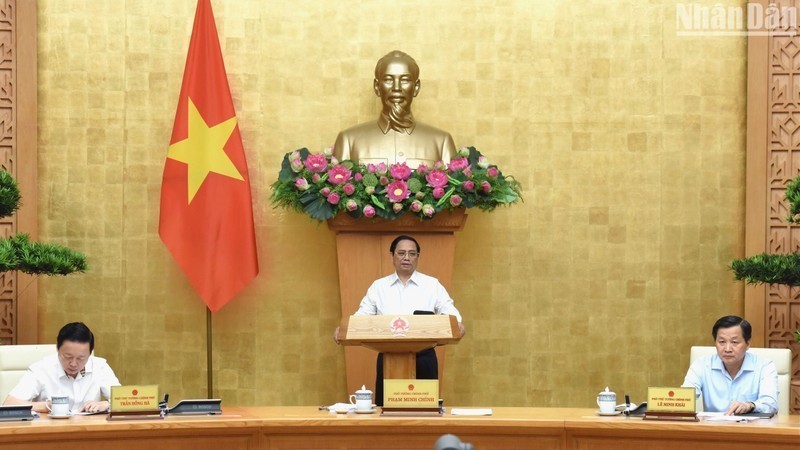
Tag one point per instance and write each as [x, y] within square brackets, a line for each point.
[397, 83]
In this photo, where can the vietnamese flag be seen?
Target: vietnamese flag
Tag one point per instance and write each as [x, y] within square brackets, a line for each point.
[206, 217]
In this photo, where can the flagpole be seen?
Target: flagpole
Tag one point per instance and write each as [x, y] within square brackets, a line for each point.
[209, 366]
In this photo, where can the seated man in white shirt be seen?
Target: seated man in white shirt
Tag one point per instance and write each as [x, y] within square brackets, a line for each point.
[71, 372]
[405, 292]
[734, 381]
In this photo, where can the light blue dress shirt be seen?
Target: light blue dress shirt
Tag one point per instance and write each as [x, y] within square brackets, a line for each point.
[757, 382]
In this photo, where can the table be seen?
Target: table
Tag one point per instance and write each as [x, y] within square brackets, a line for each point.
[258, 428]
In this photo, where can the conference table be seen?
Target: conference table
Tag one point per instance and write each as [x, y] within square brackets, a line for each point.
[307, 427]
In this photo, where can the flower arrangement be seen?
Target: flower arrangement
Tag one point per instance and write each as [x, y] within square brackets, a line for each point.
[321, 186]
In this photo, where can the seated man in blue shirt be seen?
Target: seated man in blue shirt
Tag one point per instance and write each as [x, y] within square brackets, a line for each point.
[733, 380]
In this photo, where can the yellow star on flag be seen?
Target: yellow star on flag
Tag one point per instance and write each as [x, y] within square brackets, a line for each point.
[203, 151]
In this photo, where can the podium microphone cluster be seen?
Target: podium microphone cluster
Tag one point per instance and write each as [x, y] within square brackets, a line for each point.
[451, 442]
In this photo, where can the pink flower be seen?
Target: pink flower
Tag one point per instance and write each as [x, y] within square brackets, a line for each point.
[464, 151]
[371, 168]
[339, 174]
[296, 164]
[315, 178]
[349, 189]
[333, 198]
[369, 190]
[397, 207]
[483, 162]
[381, 169]
[301, 184]
[468, 171]
[436, 178]
[316, 163]
[492, 172]
[422, 169]
[468, 186]
[400, 171]
[397, 191]
[486, 186]
[334, 161]
[358, 176]
[416, 206]
[327, 151]
[384, 181]
[440, 165]
[420, 195]
[351, 205]
[369, 211]
[428, 210]
[438, 193]
[458, 164]
[455, 200]
[326, 191]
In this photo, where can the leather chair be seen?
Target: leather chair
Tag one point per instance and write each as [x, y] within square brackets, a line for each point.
[15, 360]
[782, 357]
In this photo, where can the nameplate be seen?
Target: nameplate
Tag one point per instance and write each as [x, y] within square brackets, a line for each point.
[198, 406]
[16, 412]
[671, 399]
[403, 393]
[134, 398]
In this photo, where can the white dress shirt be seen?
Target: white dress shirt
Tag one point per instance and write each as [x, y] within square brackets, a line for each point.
[389, 296]
[757, 382]
[46, 378]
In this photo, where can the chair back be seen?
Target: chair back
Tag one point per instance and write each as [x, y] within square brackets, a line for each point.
[782, 357]
[15, 360]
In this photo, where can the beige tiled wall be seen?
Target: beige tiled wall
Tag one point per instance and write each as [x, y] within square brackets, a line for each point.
[628, 140]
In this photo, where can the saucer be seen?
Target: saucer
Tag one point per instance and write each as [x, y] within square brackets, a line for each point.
[615, 413]
[366, 411]
[65, 416]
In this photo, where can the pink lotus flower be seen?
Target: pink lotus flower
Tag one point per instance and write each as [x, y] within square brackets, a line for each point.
[416, 206]
[333, 198]
[422, 169]
[358, 176]
[296, 164]
[327, 151]
[315, 178]
[334, 161]
[492, 172]
[483, 162]
[397, 207]
[436, 179]
[384, 181]
[400, 171]
[351, 205]
[458, 164]
[397, 191]
[486, 186]
[369, 190]
[326, 191]
[369, 211]
[455, 200]
[468, 171]
[428, 210]
[349, 189]
[438, 193]
[301, 184]
[468, 186]
[371, 168]
[339, 174]
[420, 195]
[440, 165]
[381, 169]
[316, 163]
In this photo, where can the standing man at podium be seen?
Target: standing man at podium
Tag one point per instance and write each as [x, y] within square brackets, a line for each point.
[407, 292]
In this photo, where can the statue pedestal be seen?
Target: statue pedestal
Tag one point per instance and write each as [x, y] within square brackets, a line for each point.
[362, 248]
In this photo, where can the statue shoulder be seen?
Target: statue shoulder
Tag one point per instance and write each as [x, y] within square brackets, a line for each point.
[424, 128]
[361, 128]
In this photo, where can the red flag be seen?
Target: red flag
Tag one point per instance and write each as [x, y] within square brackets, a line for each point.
[206, 217]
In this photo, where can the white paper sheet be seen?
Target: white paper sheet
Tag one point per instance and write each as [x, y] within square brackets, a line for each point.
[471, 412]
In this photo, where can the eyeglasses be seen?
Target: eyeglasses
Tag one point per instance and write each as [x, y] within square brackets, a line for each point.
[403, 254]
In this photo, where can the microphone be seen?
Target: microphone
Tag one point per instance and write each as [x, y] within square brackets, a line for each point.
[451, 442]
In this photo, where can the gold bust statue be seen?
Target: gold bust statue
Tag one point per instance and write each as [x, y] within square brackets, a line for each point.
[395, 137]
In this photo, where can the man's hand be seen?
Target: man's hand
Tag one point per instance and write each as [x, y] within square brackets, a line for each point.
[93, 407]
[740, 408]
[336, 335]
[41, 407]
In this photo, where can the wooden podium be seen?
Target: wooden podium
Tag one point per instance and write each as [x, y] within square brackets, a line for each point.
[399, 338]
[362, 248]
